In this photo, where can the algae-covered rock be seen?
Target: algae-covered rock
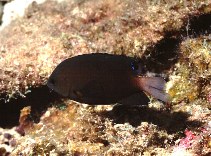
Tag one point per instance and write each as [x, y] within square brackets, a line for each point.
[81, 130]
[191, 77]
[33, 45]
[166, 35]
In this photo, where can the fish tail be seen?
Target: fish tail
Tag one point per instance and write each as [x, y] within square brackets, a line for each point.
[155, 86]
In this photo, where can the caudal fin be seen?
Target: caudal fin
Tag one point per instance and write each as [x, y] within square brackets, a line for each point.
[155, 86]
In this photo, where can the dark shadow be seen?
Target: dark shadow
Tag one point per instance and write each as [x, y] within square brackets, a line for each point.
[197, 25]
[139, 99]
[39, 99]
[172, 122]
[162, 56]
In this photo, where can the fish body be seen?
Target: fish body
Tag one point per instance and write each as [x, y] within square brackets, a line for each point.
[102, 79]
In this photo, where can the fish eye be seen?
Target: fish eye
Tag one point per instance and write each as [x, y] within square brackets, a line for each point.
[138, 68]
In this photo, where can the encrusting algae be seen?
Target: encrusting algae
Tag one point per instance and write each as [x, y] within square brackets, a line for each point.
[32, 46]
[82, 131]
[192, 75]
[120, 27]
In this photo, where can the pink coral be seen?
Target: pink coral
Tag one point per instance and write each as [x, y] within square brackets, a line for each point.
[187, 141]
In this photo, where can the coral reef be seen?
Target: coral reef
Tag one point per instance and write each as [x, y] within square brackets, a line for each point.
[192, 79]
[84, 131]
[29, 45]
[171, 37]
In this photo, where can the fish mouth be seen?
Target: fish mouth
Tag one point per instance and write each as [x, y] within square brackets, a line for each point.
[50, 85]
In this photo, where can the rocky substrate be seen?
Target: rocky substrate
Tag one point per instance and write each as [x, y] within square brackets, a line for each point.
[170, 37]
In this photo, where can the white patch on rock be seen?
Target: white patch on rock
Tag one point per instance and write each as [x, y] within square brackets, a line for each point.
[15, 9]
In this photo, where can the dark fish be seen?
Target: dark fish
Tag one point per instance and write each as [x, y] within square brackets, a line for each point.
[103, 79]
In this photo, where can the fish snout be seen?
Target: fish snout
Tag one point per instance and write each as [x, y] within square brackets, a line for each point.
[51, 83]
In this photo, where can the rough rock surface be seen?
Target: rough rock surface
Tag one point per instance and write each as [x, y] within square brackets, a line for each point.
[171, 37]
